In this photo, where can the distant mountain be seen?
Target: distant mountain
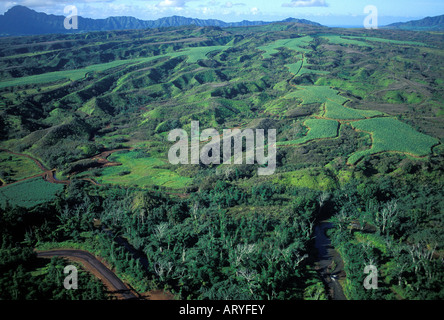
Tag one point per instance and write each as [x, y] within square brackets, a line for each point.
[20, 20]
[426, 24]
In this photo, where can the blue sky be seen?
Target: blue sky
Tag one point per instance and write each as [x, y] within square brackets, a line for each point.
[327, 12]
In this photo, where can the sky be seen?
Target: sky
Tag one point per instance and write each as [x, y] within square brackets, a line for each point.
[326, 12]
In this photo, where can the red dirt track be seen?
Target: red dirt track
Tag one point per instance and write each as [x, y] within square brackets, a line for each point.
[49, 174]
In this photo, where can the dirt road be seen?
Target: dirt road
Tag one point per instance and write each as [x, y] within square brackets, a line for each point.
[49, 174]
[92, 264]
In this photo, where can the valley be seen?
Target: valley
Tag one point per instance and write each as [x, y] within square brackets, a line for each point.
[358, 113]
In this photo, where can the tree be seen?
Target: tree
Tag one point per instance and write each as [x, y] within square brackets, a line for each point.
[340, 220]
[385, 218]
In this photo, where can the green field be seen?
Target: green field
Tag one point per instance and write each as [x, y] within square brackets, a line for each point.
[389, 134]
[356, 40]
[342, 40]
[316, 94]
[29, 193]
[301, 67]
[355, 84]
[292, 44]
[295, 68]
[16, 167]
[318, 129]
[196, 53]
[73, 75]
[374, 39]
[305, 95]
[333, 103]
[296, 44]
[338, 111]
[137, 170]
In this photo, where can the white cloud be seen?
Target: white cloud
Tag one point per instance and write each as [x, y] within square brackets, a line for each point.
[306, 3]
[255, 11]
[206, 10]
[172, 3]
[230, 4]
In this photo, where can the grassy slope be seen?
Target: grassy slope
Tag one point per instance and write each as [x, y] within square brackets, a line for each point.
[142, 171]
[331, 100]
[333, 104]
[318, 129]
[389, 134]
[334, 110]
[292, 44]
[355, 40]
[194, 54]
[73, 75]
[18, 167]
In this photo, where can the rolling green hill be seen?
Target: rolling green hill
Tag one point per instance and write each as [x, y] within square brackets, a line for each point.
[358, 116]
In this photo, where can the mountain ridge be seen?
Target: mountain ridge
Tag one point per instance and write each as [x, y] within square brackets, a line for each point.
[21, 20]
[435, 23]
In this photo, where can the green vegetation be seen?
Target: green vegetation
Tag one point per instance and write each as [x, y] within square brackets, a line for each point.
[193, 55]
[332, 102]
[196, 54]
[341, 40]
[32, 279]
[337, 111]
[72, 75]
[385, 221]
[23, 276]
[358, 119]
[317, 129]
[29, 193]
[391, 41]
[14, 168]
[295, 68]
[389, 134]
[316, 94]
[295, 44]
[397, 96]
[142, 171]
[299, 68]
[308, 178]
[355, 40]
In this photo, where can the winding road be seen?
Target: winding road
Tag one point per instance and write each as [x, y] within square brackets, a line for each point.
[49, 174]
[93, 264]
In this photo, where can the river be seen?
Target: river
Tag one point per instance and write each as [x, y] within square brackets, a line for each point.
[326, 254]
